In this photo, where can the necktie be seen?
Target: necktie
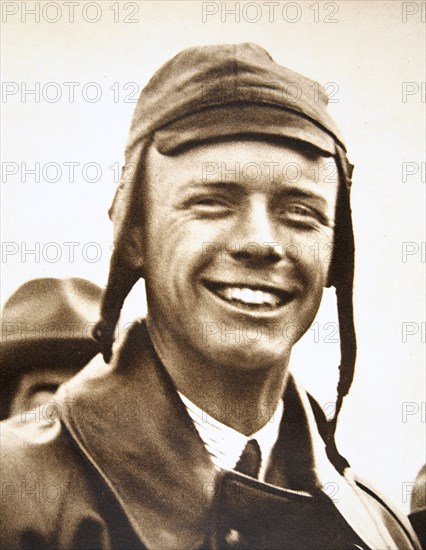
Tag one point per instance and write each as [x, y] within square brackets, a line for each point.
[249, 461]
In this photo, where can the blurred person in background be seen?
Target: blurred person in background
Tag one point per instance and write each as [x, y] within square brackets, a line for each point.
[45, 339]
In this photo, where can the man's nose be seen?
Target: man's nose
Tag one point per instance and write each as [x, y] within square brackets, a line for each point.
[257, 235]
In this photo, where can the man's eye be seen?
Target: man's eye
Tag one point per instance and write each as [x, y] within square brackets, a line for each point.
[209, 202]
[300, 210]
[210, 205]
[304, 215]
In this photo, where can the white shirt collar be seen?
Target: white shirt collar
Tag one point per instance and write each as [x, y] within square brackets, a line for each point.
[225, 444]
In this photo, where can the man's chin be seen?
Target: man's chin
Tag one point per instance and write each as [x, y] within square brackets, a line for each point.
[247, 356]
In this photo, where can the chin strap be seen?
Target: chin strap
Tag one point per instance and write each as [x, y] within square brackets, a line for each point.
[120, 282]
[342, 277]
[339, 462]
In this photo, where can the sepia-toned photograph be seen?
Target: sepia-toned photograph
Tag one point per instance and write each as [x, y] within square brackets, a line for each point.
[212, 290]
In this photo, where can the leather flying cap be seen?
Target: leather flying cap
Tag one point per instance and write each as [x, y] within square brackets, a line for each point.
[209, 77]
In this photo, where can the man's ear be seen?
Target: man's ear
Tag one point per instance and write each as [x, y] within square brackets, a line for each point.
[133, 249]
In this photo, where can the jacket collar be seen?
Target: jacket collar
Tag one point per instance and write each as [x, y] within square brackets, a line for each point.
[124, 419]
[129, 421]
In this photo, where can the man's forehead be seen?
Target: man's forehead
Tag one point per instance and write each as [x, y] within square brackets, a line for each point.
[248, 162]
[243, 146]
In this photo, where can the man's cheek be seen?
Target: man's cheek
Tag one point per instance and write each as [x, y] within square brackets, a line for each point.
[327, 256]
[317, 252]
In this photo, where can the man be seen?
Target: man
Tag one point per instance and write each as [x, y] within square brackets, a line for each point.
[45, 339]
[234, 193]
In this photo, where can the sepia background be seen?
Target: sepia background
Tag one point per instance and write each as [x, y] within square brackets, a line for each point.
[71, 75]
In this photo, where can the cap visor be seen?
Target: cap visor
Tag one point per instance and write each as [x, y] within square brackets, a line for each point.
[242, 120]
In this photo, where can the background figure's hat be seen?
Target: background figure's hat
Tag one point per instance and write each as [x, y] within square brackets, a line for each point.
[48, 323]
[220, 92]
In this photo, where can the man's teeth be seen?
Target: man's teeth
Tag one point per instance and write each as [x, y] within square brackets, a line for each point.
[249, 296]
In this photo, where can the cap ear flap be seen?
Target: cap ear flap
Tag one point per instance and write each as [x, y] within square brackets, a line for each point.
[340, 253]
[127, 260]
[342, 264]
[341, 275]
[126, 212]
[132, 248]
[120, 282]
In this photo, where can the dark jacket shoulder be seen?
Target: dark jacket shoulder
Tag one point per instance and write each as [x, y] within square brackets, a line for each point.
[51, 496]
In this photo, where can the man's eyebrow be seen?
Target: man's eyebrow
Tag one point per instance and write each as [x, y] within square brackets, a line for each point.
[219, 184]
[302, 193]
[287, 191]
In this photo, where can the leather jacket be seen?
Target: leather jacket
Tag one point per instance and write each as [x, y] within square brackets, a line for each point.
[116, 463]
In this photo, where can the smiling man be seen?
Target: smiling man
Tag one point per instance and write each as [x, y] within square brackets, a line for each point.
[234, 207]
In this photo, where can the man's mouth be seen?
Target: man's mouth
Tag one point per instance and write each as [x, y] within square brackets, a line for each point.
[250, 297]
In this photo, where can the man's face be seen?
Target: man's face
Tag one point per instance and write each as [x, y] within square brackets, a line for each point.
[237, 242]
